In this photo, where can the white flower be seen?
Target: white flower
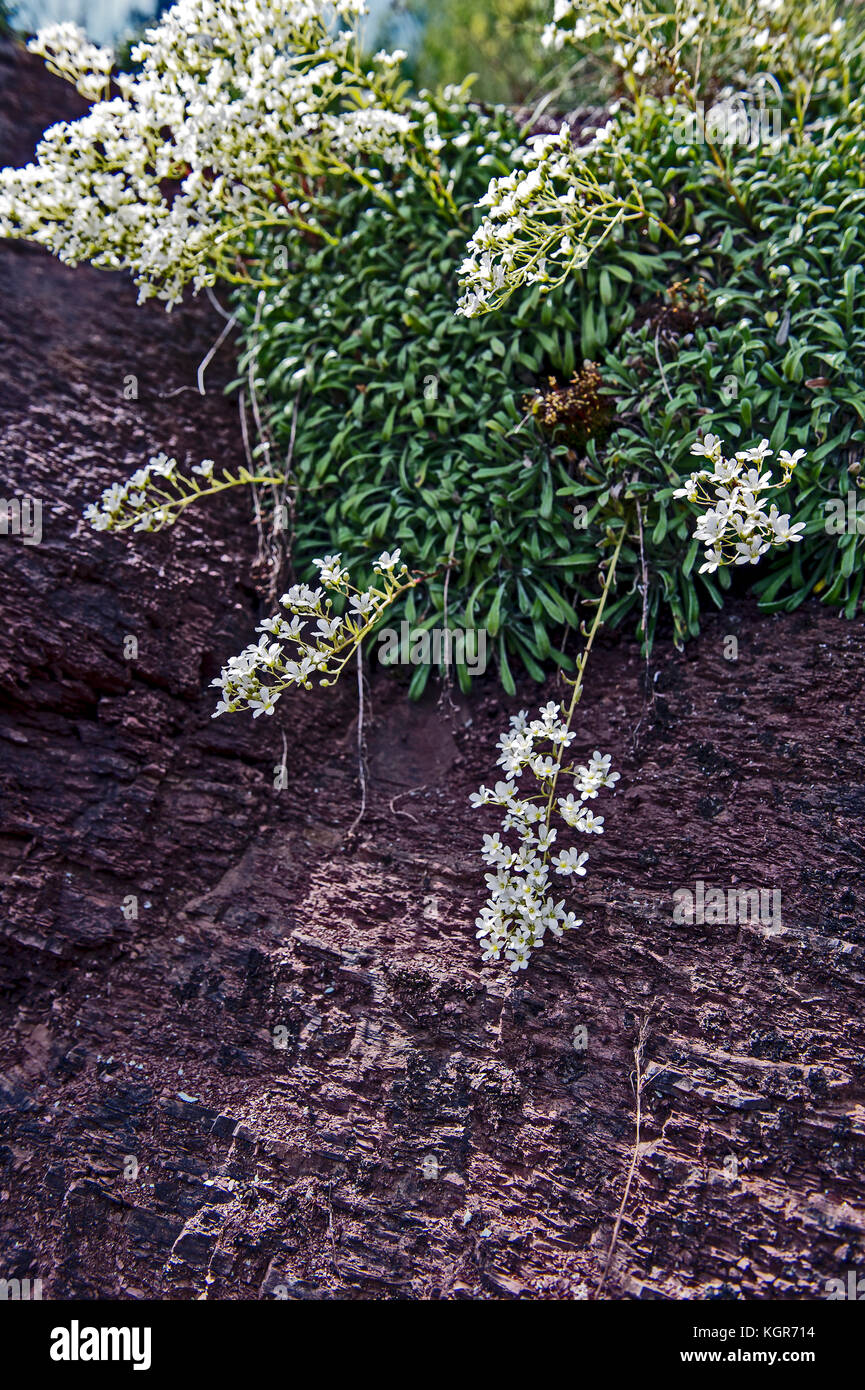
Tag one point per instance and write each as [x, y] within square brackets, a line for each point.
[493, 851]
[545, 838]
[568, 861]
[387, 562]
[518, 956]
[689, 491]
[544, 768]
[714, 558]
[781, 528]
[263, 703]
[330, 571]
[788, 461]
[748, 552]
[709, 447]
[163, 466]
[570, 810]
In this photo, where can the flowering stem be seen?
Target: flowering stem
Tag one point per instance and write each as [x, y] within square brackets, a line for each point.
[597, 623]
[256, 678]
[178, 503]
[354, 640]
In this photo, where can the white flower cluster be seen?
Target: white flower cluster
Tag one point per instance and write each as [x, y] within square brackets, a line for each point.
[648, 39]
[155, 495]
[69, 54]
[545, 219]
[790, 37]
[736, 528]
[521, 905]
[239, 109]
[633, 30]
[312, 642]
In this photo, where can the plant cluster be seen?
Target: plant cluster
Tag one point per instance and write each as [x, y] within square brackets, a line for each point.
[780, 344]
[772, 335]
[408, 425]
[437, 452]
[240, 116]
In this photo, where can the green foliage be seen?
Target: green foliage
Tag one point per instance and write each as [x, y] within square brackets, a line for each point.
[780, 353]
[414, 427]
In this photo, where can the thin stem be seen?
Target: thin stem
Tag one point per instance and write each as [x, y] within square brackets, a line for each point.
[597, 623]
[360, 762]
[178, 504]
[639, 1082]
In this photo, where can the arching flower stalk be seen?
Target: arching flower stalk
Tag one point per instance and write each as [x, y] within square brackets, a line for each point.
[156, 495]
[312, 643]
[545, 220]
[69, 54]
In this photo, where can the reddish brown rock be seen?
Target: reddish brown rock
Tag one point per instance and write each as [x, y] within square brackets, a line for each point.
[285, 1077]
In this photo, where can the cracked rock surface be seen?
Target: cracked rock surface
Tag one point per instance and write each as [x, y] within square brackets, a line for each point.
[288, 1076]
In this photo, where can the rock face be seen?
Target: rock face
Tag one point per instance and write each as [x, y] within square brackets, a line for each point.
[288, 1076]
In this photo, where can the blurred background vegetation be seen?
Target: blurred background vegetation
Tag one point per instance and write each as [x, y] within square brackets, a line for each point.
[496, 39]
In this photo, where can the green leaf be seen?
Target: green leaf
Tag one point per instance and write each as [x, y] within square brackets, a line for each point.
[505, 670]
